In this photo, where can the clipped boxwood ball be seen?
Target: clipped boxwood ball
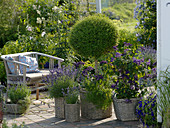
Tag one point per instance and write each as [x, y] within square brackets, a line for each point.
[93, 36]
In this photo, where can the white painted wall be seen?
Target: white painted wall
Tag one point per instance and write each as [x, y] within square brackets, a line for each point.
[163, 39]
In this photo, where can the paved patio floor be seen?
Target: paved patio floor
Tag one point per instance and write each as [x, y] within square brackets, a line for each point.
[41, 115]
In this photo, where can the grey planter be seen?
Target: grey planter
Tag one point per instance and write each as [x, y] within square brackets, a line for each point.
[125, 111]
[59, 108]
[89, 110]
[16, 108]
[72, 112]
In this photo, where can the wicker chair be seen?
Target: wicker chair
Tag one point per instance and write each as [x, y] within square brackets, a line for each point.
[28, 78]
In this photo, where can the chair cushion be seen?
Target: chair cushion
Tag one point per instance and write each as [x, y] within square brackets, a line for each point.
[30, 61]
[11, 65]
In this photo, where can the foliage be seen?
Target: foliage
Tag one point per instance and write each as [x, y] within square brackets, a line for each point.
[71, 95]
[145, 13]
[122, 11]
[18, 92]
[59, 80]
[147, 110]
[127, 69]
[166, 118]
[3, 73]
[164, 91]
[127, 36]
[14, 125]
[10, 20]
[93, 36]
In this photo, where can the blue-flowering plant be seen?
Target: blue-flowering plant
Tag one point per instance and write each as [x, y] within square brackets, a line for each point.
[71, 95]
[60, 79]
[146, 110]
[127, 68]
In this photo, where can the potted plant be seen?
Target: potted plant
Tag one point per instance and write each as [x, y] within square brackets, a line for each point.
[59, 80]
[96, 101]
[93, 37]
[19, 96]
[127, 69]
[72, 106]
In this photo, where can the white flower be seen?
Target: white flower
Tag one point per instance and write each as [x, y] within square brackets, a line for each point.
[39, 7]
[43, 18]
[29, 28]
[34, 7]
[39, 21]
[43, 33]
[55, 8]
[38, 12]
[31, 37]
[59, 21]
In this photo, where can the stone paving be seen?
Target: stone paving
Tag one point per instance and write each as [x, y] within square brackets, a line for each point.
[41, 115]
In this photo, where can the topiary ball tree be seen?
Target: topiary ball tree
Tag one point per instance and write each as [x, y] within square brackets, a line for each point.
[93, 36]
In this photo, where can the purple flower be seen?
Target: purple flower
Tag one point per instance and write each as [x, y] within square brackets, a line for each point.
[136, 77]
[79, 64]
[127, 44]
[143, 48]
[148, 62]
[113, 86]
[127, 72]
[115, 48]
[112, 59]
[126, 50]
[98, 77]
[118, 54]
[103, 62]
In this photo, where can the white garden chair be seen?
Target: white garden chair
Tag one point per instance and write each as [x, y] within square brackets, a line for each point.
[16, 76]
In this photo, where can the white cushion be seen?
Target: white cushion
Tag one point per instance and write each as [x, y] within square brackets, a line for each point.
[32, 62]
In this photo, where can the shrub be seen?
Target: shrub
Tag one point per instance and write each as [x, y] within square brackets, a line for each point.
[145, 13]
[93, 36]
[147, 110]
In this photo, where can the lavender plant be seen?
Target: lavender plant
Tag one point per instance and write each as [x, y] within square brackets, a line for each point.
[71, 95]
[146, 110]
[60, 79]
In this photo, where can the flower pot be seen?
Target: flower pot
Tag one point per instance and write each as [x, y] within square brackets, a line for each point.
[21, 107]
[16, 108]
[72, 112]
[125, 111]
[90, 111]
[59, 108]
